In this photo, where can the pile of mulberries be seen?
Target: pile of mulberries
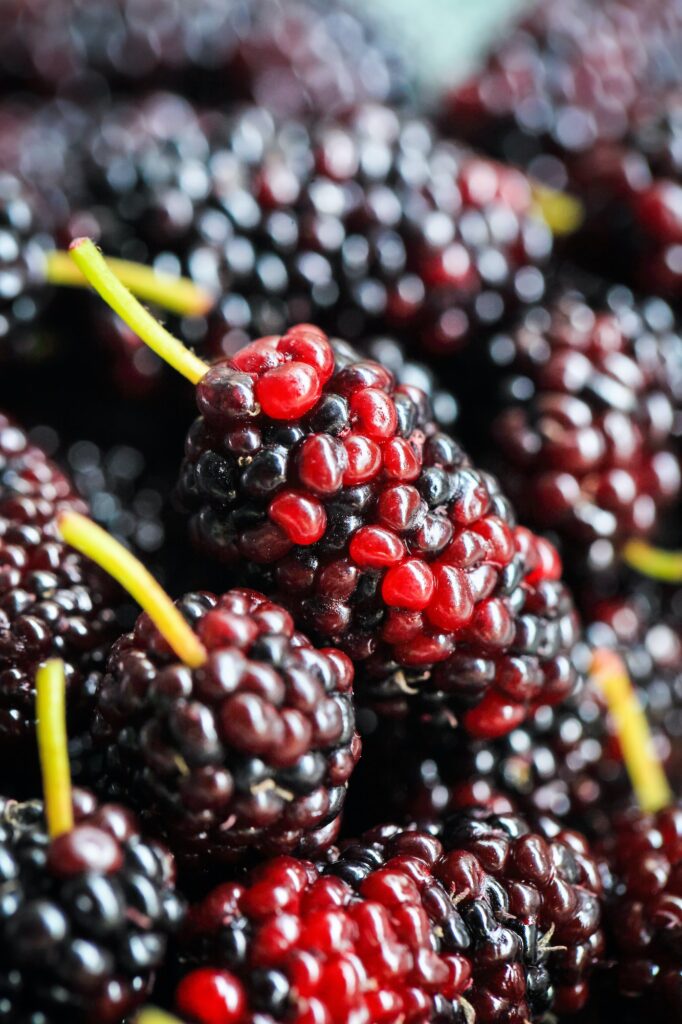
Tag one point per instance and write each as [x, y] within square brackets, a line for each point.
[295, 56]
[358, 223]
[313, 473]
[586, 430]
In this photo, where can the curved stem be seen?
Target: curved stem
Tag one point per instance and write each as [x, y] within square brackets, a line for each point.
[632, 729]
[94, 267]
[53, 746]
[95, 543]
[657, 563]
[176, 294]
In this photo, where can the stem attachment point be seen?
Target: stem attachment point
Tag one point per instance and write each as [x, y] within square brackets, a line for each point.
[95, 268]
[95, 543]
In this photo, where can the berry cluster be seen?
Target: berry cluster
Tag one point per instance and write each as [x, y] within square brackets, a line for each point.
[335, 486]
[644, 914]
[52, 601]
[567, 78]
[356, 224]
[84, 918]
[634, 192]
[585, 433]
[251, 751]
[294, 55]
[565, 761]
[406, 925]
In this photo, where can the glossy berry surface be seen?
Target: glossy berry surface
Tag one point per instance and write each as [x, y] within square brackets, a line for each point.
[510, 884]
[564, 761]
[403, 925]
[53, 602]
[252, 751]
[366, 223]
[644, 914]
[295, 56]
[633, 191]
[334, 488]
[586, 433]
[84, 918]
[567, 77]
[293, 943]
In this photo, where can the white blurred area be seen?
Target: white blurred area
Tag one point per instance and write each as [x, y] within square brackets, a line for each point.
[443, 39]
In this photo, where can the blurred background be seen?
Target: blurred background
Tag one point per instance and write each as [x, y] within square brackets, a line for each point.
[444, 39]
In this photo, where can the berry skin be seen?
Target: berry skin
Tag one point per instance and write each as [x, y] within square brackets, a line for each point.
[294, 56]
[587, 452]
[404, 925]
[567, 78]
[252, 751]
[429, 583]
[366, 223]
[644, 913]
[53, 602]
[84, 918]
[565, 761]
[633, 191]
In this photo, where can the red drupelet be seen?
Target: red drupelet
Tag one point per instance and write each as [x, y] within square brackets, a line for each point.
[252, 751]
[330, 486]
[482, 916]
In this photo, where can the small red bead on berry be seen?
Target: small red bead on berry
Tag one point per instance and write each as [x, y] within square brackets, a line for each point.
[322, 461]
[259, 356]
[373, 413]
[409, 585]
[302, 518]
[376, 547]
[307, 344]
[211, 997]
[288, 391]
[364, 460]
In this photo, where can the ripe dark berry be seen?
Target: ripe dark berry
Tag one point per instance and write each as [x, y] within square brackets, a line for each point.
[53, 602]
[378, 534]
[585, 434]
[84, 918]
[292, 56]
[379, 219]
[633, 192]
[252, 751]
[568, 77]
[644, 914]
[404, 925]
